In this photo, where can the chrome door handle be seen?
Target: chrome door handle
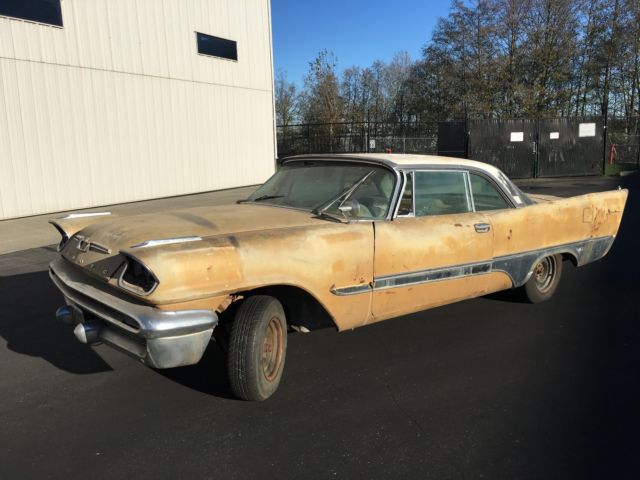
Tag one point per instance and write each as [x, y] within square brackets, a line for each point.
[482, 227]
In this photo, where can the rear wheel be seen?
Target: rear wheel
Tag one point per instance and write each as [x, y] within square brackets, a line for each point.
[544, 279]
[257, 348]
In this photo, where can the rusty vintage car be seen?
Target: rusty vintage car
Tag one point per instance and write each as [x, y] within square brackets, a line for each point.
[329, 240]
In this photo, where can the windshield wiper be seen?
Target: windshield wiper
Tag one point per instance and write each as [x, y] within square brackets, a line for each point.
[260, 198]
[320, 209]
[328, 216]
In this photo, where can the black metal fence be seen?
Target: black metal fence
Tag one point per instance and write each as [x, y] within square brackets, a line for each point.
[545, 147]
[357, 137]
[521, 147]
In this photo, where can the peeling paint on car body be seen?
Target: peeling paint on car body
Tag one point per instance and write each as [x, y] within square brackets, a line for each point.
[234, 249]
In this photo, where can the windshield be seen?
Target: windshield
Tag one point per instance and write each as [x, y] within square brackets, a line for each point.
[312, 185]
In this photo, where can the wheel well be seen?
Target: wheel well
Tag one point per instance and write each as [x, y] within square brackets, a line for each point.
[301, 308]
[571, 257]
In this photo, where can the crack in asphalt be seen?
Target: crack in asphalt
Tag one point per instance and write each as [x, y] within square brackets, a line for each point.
[404, 412]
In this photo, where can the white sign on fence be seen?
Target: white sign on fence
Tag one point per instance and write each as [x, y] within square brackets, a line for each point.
[587, 130]
[554, 135]
[517, 136]
[372, 144]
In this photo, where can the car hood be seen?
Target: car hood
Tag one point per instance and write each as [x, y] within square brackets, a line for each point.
[97, 246]
[119, 233]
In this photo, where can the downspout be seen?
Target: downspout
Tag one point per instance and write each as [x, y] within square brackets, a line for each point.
[273, 90]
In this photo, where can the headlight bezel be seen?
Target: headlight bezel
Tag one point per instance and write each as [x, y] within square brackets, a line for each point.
[130, 266]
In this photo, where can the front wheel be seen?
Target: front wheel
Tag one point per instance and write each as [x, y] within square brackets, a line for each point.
[257, 348]
[544, 279]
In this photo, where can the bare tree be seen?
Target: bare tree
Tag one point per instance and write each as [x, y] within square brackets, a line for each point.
[286, 99]
[551, 34]
[510, 35]
[323, 103]
[395, 87]
[488, 58]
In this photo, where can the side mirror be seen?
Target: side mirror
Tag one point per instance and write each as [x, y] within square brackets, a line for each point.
[350, 208]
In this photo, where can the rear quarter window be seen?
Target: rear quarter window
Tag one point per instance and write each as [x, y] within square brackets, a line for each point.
[485, 195]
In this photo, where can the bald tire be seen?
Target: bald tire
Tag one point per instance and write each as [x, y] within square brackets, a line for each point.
[532, 290]
[257, 348]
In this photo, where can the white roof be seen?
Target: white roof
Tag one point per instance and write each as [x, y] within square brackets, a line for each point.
[409, 161]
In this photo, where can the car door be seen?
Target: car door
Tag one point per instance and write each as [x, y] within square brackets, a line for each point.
[437, 250]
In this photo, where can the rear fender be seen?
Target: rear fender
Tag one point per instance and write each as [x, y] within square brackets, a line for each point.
[582, 228]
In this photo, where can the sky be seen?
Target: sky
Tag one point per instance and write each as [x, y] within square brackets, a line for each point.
[358, 32]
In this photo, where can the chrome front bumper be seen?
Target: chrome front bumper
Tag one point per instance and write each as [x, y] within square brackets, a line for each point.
[159, 338]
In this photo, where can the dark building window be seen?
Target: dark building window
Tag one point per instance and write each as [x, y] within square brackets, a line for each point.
[41, 11]
[217, 47]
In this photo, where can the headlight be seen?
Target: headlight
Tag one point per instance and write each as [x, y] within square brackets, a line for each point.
[136, 277]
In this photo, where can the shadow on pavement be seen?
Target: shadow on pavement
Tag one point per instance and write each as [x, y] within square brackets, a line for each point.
[613, 289]
[28, 303]
[209, 376]
[511, 296]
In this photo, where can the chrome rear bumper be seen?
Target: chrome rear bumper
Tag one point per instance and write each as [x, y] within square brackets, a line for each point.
[159, 338]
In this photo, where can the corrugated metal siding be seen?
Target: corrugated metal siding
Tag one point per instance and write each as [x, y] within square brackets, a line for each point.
[118, 106]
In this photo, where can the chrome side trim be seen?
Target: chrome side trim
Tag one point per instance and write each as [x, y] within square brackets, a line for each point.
[166, 241]
[83, 215]
[431, 275]
[518, 267]
[354, 290]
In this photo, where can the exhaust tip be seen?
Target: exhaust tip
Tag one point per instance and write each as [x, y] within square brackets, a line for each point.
[88, 332]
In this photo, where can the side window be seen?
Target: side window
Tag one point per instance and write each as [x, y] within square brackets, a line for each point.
[485, 195]
[406, 202]
[441, 193]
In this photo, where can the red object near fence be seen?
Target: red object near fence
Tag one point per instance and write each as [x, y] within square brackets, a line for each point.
[612, 154]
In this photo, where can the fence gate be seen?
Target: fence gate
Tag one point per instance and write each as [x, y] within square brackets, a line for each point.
[554, 147]
[569, 146]
[452, 139]
[510, 145]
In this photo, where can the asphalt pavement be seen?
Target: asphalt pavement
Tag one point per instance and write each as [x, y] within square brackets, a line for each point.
[486, 388]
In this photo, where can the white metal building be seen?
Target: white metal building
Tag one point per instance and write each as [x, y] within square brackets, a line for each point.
[111, 101]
